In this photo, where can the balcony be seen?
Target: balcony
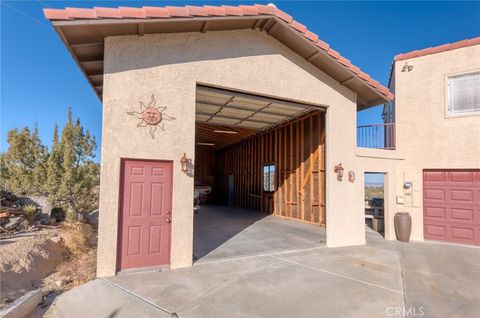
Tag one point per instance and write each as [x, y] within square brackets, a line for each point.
[378, 136]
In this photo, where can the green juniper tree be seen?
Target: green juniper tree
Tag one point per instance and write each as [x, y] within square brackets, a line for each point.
[78, 178]
[23, 168]
[66, 173]
[55, 170]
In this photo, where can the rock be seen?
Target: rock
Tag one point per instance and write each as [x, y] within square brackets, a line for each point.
[62, 282]
[53, 221]
[24, 225]
[92, 218]
[80, 217]
[42, 218]
[56, 239]
[13, 223]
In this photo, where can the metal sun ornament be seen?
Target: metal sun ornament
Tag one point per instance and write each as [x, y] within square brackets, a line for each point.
[151, 116]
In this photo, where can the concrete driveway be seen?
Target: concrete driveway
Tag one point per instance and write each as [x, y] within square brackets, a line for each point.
[381, 279]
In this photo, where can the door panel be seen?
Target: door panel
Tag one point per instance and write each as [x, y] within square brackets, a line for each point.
[145, 214]
[451, 205]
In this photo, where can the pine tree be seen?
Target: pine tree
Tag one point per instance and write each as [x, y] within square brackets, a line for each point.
[39, 172]
[23, 164]
[66, 173]
[78, 177]
[54, 170]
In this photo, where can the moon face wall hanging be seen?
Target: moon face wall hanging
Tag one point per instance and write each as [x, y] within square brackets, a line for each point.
[151, 116]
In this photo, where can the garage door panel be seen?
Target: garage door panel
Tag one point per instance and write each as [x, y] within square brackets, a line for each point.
[462, 196]
[435, 212]
[434, 176]
[435, 194]
[465, 234]
[462, 214]
[464, 177]
[451, 205]
[435, 231]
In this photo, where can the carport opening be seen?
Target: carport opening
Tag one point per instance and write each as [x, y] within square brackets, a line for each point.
[255, 156]
[374, 201]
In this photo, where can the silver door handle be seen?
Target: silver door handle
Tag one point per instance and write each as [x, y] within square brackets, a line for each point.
[167, 220]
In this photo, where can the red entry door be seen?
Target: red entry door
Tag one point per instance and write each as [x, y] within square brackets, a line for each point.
[145, 214]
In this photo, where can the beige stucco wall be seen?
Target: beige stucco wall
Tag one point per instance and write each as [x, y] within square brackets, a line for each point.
[170, 66]
[427, 138]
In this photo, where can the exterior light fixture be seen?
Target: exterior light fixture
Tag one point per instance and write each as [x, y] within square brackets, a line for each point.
[205, 144]
[185, 162]
[225, 132]
[407, 184]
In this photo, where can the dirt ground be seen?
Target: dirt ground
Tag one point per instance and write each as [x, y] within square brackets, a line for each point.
[53, 259]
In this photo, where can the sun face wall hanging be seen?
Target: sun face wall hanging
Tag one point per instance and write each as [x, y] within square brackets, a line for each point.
[151, 116]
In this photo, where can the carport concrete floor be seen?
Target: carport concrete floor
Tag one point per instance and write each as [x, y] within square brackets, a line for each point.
[250, 270]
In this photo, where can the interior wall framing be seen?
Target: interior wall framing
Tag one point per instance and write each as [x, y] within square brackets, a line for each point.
[297, 149]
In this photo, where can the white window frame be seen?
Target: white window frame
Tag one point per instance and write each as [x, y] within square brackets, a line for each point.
[447, 95]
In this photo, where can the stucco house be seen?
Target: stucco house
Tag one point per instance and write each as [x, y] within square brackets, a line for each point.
[248, 101]
[436, 112]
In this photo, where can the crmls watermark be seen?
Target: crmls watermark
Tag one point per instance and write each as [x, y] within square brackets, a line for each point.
[405, 311]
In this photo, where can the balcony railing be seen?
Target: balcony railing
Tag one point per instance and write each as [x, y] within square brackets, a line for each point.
[380, 136]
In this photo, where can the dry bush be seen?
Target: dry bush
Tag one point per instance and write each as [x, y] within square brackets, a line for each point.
[76, 236]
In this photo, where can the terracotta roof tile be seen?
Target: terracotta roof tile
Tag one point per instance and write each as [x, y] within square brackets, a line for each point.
[298, 26]
[230, 10]
[354, 69]
[197, 11]
[344, 61]
[133, 13]
[242, 10]
[311, 36]
[333, 53]
[109, 13]
[215, 11]
[322, 45]
[56, 14]
[284, 16]
[437, 49]
[250, 10]
[79, 13]
[178, 12]
[156, 12]
[263, 9]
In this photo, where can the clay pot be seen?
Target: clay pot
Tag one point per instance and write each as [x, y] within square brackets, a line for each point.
[403, 226]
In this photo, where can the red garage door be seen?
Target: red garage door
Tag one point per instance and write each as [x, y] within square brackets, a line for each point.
[451, 205]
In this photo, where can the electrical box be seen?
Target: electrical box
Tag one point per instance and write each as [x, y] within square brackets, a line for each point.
[400, 199]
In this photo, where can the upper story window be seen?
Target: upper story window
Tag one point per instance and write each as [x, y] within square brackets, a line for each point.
[464, 94]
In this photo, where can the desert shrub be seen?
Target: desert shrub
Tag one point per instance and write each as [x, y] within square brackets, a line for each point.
[76, 236]
[71, 215]
[29, 210]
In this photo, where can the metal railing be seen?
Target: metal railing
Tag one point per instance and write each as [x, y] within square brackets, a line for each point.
[379, 136]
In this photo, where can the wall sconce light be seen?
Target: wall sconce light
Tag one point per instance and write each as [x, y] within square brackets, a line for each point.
[351, 176]
[338, 169]
[185, 162]
[407, 184]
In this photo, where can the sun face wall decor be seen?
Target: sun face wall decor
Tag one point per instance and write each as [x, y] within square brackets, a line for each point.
[151, 116]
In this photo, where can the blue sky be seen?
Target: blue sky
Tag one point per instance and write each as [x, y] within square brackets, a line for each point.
[39, 79]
